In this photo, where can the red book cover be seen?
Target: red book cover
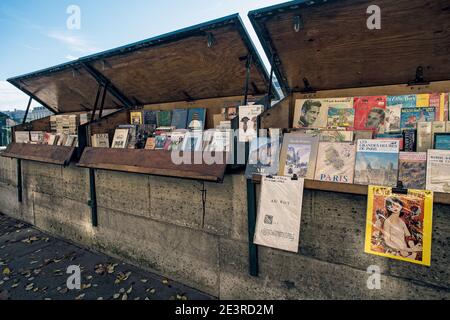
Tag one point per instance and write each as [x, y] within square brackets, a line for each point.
[370, 112]
[435, 101]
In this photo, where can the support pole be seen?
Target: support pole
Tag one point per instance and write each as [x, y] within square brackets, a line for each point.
[102, 103]
[247, 78]
[97, 97]
[251, 212]
[26, 112]
[19, 180]
[269, 94]
[93, 195]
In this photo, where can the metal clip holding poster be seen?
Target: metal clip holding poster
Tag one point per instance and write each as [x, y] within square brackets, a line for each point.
[400, 189]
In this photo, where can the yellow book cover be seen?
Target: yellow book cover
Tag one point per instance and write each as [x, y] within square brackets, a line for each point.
[136, 117]
[399, 226]
[423, 100]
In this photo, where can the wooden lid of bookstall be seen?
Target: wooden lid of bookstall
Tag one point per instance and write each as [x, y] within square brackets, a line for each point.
[58, 155]
[153, 162]
[199, 62]
[328, 43]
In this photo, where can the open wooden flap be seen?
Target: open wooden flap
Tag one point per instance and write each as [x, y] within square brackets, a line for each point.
[200, 62]
[329, 44]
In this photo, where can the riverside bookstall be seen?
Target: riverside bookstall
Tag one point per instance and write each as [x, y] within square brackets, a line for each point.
[325, 49]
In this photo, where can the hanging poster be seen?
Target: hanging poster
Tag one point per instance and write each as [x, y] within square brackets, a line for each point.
[279, 213]
[399, 226]
[248, 122]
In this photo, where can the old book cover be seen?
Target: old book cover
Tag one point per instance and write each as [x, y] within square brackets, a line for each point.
[370, 113]
[176, 140]
[263, 157]
[132, 135]
[423, 100]
[179, 118]
[412, 170]
[279, 213]
[298, 155]
[218, 119]
[447, 126]
[442, 141]
[336, 162]
[424, 139]
[52, 140]
[392, 136]
[160, 141]
[340, 112]
[136, 117]
[248, 122]
[362, 134]
[120, 139]
[310, 113]
[150, 117]
[438, 170]
[393, 117]
[435, 102]
[411, 116]
[151, 144]
[446, 105]
[196, 119]
[404, 101]
[336, 136]
[410, 140]
[377, 162]
[437, 127]
[37, 137]
[100, 140]
[47, 137]
[164, 118]
[399, 226]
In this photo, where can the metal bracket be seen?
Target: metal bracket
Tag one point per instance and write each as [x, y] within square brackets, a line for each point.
[19, 180]
[298, 23]
[307, 87]
[420, 78]
[211, 41]
[92, 202]
[26, 112]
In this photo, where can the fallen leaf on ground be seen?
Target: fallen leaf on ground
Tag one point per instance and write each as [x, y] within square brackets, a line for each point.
[81, 296]
[6, 272]
[125, 296]
[144, 280]
[115, 296]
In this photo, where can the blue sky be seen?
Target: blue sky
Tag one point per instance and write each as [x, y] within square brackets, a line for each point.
[34, 34]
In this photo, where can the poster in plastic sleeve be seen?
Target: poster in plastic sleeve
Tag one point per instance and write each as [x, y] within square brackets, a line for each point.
[279, 213]
[399, 226]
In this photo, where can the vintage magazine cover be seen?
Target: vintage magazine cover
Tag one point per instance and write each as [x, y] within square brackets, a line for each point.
[424, 139]
[298, 155]
[412, 169]
[404, 101]
[120, 138]
[100, 140]
[340, 112]
[335, 136]
[435, 102]
[436, 127]
[179, 118]
[377, 162]
[310, 113]
[248, 122]
[411, 116]
[438, 171]
[422, 100]
[370, 113]
[393, 117]
[22, 136]
[136, 117]
[336, 162]
[399, 226]
[279, 213]
[263, 157]
[196, 119]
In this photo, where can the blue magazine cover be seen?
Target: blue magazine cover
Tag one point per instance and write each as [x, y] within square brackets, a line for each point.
[410, 116]
[196, 119]
[179, 118]
[406, 101]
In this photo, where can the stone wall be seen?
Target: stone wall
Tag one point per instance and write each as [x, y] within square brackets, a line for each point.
[161, 224]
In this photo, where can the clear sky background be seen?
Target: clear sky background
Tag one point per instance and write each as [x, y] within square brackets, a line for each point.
[34, 35]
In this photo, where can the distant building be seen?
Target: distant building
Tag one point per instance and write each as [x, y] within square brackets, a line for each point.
[5, 129]
[39, 113]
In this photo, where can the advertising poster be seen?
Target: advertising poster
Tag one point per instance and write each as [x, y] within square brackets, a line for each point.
[399, 226]
[279, 213]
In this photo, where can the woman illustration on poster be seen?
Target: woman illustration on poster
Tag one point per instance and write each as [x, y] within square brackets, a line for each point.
[395, 231]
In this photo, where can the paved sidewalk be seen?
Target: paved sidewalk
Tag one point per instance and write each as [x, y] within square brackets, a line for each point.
[33, 267]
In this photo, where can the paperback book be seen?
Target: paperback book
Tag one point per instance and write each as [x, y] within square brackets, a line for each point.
[424, 139]
[298, 155]
[263, 157]
[179, 118]
[196, 119]
[248, 122]
[438, 171]
[404, 101]
[22, 136]
[411, 116]
[164, 118]
[136, 117]
[413, 170]
[120, 139]
[393, 119]
[410, 140]
[377, 162]
[335, 162]
[100, 140]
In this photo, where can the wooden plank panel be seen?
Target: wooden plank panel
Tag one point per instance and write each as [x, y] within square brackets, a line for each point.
[59, 155]
[153, 162]
[335, 49]
[440, 198]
